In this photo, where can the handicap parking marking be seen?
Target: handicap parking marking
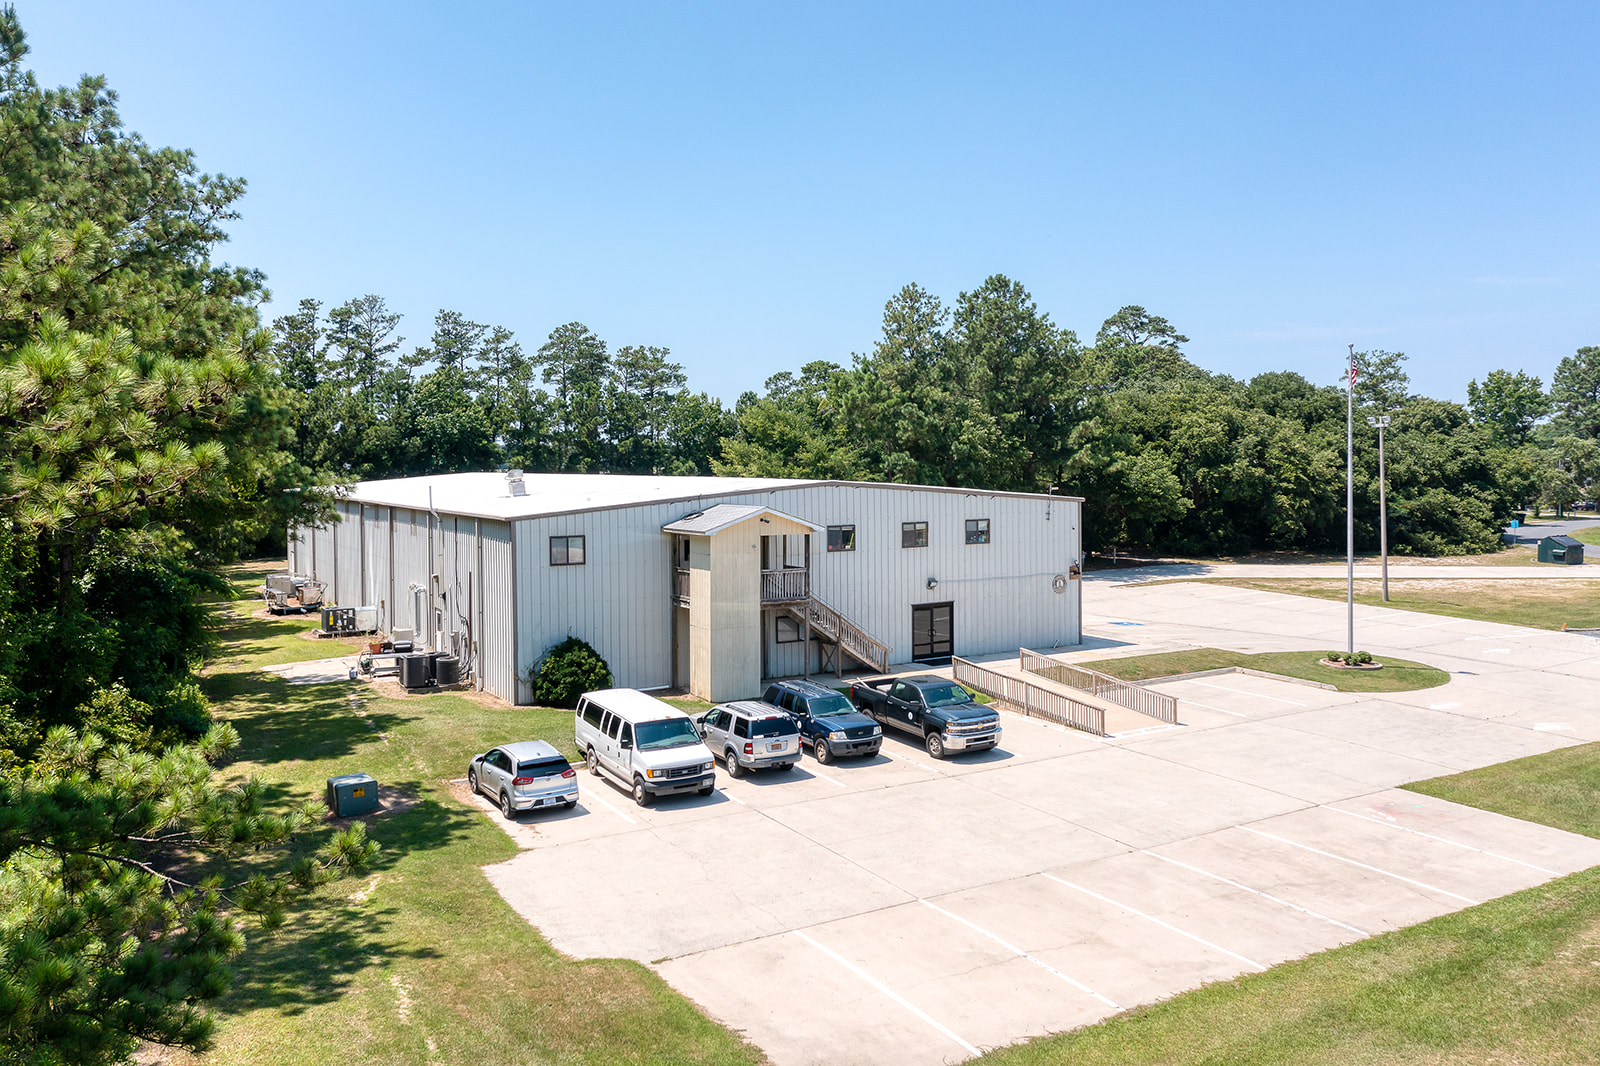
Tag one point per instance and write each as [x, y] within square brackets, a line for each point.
[886, 990]
[612, 809]
[1152, 918]
[1247, 692]
[1353, 862]
[975, 927]
[1254, 891]
[1442, 840]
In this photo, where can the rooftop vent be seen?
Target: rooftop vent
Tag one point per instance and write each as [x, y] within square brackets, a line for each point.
[515, 483]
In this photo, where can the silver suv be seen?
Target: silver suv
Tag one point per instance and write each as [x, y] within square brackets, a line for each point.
[750, 735]
[524, 775]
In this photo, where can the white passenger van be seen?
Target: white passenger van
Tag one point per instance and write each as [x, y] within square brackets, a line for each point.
[642, 744]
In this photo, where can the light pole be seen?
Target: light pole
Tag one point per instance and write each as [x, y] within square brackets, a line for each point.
[1381, 422]
[1350, 503]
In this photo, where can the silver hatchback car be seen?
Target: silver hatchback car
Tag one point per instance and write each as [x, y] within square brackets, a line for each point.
[524, 775]
[750, 735]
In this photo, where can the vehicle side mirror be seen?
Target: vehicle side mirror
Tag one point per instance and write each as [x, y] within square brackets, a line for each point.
[701, 729]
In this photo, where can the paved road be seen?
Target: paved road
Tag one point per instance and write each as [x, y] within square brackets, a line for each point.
[1176, 571]
[1550, 527]
[903, 911]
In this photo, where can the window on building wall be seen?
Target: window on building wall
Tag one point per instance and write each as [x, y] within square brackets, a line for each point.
[566, 551]
[977, 531]
[913, 534]
[789, 630]
[841, 538]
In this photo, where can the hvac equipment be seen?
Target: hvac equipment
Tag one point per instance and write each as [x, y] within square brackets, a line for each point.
[416, 671]
[446, 670]
[349, 619]
[352, 794]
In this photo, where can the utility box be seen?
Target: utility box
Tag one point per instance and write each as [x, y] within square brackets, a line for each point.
[1561, 550]
[352, 794]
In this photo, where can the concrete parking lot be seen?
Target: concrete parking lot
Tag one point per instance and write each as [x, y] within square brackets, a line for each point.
[902, 910]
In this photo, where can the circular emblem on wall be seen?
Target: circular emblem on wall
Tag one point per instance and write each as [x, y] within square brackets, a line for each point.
[1059, 583]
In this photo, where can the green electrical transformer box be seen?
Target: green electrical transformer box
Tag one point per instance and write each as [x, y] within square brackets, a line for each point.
[352, 794]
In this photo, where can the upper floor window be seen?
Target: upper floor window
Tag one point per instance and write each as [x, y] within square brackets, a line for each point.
[913, 534]
[841, 538]
[566, 551]
[977, 531]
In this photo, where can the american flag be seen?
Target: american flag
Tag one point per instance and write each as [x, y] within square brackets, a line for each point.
[1353, 371]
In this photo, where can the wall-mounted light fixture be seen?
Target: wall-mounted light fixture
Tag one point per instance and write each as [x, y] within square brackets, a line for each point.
[933, 583]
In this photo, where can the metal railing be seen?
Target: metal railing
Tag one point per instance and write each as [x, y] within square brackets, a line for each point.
[785, 586]
[1157, 705]
[1033, 699]
[680, 587]
[852, 638]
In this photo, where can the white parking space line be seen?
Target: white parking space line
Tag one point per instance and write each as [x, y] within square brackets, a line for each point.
[825, 777]
[1442, 840]
[1157, 921]
[1045, 966]
[1254, 891]
[1247, 692]
[1435, 625]
[731, 796]
[1162, 728]
[1237, 595]
[886, 990]
[1364, 866]
[1207, 706]
[914, 762]
[610, 808]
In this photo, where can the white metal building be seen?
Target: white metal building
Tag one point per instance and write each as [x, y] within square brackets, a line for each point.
[700, 582]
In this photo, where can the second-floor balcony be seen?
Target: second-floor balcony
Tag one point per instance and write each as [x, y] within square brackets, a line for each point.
[785, 586]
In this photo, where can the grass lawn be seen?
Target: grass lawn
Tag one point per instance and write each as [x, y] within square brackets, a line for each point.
[1538, 604]
[421, 961]
[1589, 535]
[1397, 675]
[1559, 788]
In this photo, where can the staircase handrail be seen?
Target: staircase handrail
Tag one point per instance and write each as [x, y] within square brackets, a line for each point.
[849, 636]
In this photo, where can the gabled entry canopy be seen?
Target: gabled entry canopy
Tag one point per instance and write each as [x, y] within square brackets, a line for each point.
[714, 520]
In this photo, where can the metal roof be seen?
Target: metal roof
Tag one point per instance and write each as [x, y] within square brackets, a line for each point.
[716, 519]
[487, 494]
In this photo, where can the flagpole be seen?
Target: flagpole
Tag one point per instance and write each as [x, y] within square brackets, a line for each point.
[1350, 502]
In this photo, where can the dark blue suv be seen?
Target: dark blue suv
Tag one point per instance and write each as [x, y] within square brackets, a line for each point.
[827, 720]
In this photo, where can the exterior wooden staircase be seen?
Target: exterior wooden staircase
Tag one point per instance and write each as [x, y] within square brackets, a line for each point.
[838, 637]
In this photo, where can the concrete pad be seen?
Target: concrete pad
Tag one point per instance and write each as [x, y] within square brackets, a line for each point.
[687, 889]
[1409, 813]
[939, 836]
[1438, 737]
[751, 987]
[314, 671]
[1141, 800]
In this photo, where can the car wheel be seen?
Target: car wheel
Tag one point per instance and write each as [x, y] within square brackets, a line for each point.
[935, 745]
[594, 764]
[472, 781]
[571, 803]
[505, 805]
[787, 766]
[821, 750]
[641, 795]
[731, 761]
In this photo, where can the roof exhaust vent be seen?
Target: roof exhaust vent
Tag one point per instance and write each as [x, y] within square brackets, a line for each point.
[515, 483]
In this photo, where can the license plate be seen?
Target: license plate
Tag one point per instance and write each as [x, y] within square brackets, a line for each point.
[775, 747]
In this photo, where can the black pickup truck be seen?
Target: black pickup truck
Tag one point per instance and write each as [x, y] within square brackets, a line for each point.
[941, 712]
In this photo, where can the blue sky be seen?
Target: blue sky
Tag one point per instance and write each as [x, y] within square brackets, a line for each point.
[747, 184]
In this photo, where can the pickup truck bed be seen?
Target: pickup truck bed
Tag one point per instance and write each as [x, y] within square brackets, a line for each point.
[941, 712]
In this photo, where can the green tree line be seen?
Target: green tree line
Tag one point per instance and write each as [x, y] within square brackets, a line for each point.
[985, 393]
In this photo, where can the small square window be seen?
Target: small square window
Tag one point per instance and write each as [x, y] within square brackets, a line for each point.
[913, 534]
[977, 531]
[566, 551]
[841, 538]
[789, 631]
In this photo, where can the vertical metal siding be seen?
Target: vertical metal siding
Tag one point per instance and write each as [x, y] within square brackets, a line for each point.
[496, 650]
[347, 549]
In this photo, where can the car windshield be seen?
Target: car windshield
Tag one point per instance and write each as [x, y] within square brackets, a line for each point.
[945, 695]
[667, 733]
[830, 707]
[773, 727]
